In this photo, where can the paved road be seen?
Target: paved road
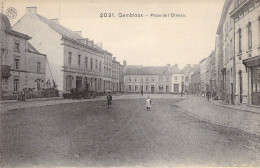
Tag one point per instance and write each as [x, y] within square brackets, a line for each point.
[87, 134]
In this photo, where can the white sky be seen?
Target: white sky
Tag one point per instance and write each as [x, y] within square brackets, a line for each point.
[145, 41]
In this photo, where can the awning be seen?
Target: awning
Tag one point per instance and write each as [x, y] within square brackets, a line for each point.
[254, 61]
[5, 71]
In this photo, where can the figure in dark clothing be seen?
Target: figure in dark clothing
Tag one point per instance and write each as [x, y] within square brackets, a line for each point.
[208, 95]
[109, 100]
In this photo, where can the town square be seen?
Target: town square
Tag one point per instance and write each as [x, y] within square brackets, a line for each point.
[127, 84]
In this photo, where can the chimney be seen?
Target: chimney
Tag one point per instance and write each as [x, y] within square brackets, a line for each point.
[124, 62]
[31, 10]
[56, 20]
[78, 33]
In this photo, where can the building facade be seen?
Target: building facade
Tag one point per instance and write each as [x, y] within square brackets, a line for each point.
[226, 39]
[149, 79]
[74, 61]
[22, 66]
[195, 80]
[246, 18]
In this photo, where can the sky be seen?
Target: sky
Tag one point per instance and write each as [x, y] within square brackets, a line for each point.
[148, 41]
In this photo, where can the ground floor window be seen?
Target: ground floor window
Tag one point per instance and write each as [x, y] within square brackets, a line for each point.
[160, 87]
[146, 88]
[69, 80]
[129, 88]
[136, 87]
[16, 84]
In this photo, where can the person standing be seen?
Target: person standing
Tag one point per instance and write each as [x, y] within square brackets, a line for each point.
[109, 100]
[148, 103]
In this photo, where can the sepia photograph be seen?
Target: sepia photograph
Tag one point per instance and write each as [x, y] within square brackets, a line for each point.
[116, 83]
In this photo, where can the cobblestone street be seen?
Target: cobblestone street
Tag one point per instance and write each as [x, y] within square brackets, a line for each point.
[79, 133]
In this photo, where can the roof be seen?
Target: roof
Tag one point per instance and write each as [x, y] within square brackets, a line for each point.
[63, 31]
[33, 50]
[147, 70]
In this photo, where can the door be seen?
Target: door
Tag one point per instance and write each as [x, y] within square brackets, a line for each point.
[152, 89]
[167, 89]
[176, 88]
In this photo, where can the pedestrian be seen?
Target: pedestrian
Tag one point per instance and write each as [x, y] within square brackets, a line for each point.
[148, 103]
[208, 94]
[109, 100]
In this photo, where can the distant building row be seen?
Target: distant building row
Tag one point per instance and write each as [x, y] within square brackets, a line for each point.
[156, 79]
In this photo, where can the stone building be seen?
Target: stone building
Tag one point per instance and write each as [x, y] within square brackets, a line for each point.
[195, 80]
[246, 18]
[212, 73]
[237, 52]
[150, 79]
[225, 31]
[204, 75]
[115, 75]
[74, 61]
[22, 66]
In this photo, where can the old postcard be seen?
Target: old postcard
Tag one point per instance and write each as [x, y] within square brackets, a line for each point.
[114, 83]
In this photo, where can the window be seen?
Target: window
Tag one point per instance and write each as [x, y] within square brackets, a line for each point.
[69, 58]
[239, 41]
[160, 87]
[182, 78]
[129, 88]
[249, 28]
[152, 79]
[146, 79]
[136, 87]
[129, 79]
[99, 66]
[17, 46]
[69, 82]
[86, 62]
[38, 66]
[136, 79]
[146, 87]
[96, 64]
[79, 59]
[176, 78]
[167, 79]
[16, 63]
[16, 84]
[91, 64]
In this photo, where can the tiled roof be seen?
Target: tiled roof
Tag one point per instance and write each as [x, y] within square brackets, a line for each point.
[63, 31]
[147, 70]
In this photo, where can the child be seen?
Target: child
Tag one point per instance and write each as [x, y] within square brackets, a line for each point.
[148, 103]
[109, 100]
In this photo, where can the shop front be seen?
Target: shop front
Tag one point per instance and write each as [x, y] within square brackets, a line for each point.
[253, 69]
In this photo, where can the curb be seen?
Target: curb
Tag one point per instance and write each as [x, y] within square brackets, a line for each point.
[234, 108]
